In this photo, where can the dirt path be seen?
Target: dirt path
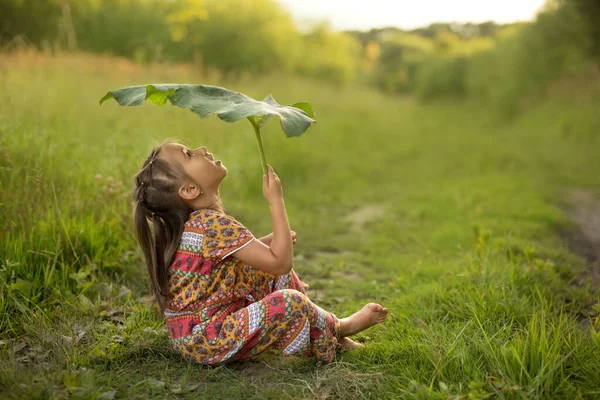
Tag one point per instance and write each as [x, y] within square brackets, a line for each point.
[584, 238]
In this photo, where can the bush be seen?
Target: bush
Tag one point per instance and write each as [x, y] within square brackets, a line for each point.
[255, 36]
[441, 77]
[517, 71]
[401, 56]
[329, 55]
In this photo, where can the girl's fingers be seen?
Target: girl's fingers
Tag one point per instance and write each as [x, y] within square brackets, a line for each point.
[272, 173]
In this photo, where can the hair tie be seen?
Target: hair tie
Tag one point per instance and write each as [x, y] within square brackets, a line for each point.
[142, 183]
[151, 162]
[153, 214]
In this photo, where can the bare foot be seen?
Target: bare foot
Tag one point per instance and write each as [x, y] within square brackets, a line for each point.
[371, 314]
[346, 344]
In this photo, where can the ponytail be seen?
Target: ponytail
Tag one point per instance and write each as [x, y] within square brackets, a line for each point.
[159, 218]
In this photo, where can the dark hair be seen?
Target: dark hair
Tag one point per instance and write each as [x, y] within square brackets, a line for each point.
[160, 215]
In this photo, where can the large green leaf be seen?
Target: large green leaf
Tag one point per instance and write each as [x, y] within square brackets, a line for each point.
[206, 100]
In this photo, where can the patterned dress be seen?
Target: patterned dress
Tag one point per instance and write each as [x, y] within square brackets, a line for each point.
[222, 309]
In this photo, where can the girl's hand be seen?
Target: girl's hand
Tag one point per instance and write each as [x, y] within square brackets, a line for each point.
[272, 189]
[293, 237]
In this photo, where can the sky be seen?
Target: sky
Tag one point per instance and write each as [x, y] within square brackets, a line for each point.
[408, 14]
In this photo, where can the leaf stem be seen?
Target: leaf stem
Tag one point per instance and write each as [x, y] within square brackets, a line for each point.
[261, 151]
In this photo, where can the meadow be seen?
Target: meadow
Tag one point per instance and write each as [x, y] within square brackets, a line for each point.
[453, 217]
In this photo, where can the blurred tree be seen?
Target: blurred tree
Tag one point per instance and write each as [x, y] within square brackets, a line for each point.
[433, 30]
[329, 55]
[488, 29]
[528, 58]
[371, 54]
[34, 20]
[556, 44]
[242, 35]
[445, 41]
[589, 10]
[502, 64]
[129, 28]
[441, 76]
[183, 14]
[402, 53]
[390, 75]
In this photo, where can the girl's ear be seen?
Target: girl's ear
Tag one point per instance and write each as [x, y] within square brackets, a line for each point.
[189, 191]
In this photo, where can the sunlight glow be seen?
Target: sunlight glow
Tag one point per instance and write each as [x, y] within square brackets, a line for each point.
[364, 15]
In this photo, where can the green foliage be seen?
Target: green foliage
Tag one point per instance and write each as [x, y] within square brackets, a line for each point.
[255, 36]
[32, 19]
[518, 70]
[234, 37]
[441, 77]
[107, 26]
[555, 45]
[238, 37]
[401, 56]
[428, 62]
[328, 55]
[589, 14]
[491, 77]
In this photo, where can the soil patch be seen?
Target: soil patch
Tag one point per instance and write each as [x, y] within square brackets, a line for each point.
[367, 213]
[584, 237]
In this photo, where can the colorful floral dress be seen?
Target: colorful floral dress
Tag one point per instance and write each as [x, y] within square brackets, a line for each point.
[222, 309]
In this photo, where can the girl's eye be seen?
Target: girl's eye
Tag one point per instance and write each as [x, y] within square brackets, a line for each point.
[190, 154]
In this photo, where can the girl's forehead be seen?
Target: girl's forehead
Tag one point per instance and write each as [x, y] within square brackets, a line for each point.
[174, 146]
[171, 151]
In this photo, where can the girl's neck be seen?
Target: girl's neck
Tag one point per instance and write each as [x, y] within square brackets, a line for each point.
[215, 204]
[209, 200]
[217, 207]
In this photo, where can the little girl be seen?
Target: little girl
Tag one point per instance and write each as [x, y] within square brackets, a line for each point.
[225, 295]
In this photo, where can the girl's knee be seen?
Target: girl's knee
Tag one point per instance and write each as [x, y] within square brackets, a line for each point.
[298, 304]
[294, 294]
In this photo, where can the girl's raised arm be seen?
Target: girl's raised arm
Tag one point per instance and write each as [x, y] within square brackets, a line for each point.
[278, 258]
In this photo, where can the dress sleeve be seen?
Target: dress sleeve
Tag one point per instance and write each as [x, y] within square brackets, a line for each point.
[224, 235]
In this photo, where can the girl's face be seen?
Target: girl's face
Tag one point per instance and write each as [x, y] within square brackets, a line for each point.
[199, 165]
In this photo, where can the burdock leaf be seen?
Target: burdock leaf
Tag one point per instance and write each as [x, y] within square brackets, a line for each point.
[157, 97]
[306, 107]
[228, 105]
[263, 119]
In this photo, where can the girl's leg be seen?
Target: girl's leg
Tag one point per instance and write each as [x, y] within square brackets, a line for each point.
[371, 314]
[289, 321]
[286, 320]
[265, 284]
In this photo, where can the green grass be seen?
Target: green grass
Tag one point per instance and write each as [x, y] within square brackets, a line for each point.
[455, 229]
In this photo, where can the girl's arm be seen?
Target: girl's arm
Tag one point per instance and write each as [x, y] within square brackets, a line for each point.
[267, 239]
[277, 258]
